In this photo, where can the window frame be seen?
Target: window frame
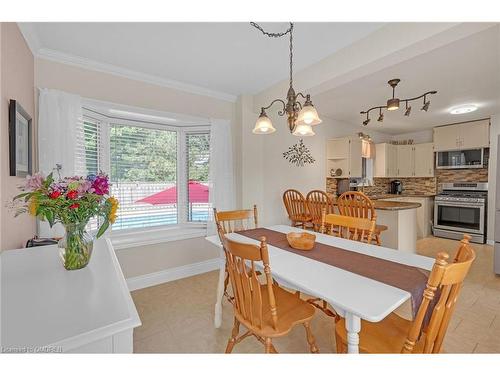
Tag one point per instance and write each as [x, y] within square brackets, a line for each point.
[184, 229]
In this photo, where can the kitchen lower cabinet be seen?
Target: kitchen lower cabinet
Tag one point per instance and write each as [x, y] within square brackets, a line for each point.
[424, 213]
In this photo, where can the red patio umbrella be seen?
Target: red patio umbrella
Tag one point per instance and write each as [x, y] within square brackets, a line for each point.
[198, 193]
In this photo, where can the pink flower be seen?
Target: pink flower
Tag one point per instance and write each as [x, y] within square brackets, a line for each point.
[34, 182]
[84, 187]
[101, 185]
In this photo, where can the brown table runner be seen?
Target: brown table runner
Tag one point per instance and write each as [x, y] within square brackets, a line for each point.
[408, 278]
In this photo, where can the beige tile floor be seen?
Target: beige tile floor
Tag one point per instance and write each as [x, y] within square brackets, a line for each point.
[177, 317]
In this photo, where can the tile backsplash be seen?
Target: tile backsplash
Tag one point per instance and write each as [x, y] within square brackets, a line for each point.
[459, 175]
[416, 186]
[420, 185]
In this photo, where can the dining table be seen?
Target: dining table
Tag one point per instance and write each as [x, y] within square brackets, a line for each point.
[353, 296]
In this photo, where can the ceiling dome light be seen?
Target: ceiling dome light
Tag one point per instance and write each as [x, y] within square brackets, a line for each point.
[308, 115]
[303, 131]
[263, 125]
[461, 109]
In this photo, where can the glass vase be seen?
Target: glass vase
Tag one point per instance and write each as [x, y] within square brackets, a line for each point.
[75, 248]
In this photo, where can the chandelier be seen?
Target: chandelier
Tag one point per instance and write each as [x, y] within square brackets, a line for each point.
[300, 117]
[393, 103]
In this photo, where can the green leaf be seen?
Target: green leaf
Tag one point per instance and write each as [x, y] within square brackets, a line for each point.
[103, 228]
[49, 180]
[19, 196]
[49, 215]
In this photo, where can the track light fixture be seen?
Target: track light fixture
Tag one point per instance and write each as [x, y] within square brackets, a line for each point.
[393, 103]
[425, 107]
[408, 110]
[380, 116]
[366, 121]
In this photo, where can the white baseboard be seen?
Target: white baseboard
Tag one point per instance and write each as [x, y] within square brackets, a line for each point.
[490, 242]
[160, 277]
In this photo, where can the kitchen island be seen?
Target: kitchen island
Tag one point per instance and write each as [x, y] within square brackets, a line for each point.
[400, 218]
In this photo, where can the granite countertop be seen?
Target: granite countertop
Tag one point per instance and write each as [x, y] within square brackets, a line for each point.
[394, 206]
[388, 195]
[390, 206]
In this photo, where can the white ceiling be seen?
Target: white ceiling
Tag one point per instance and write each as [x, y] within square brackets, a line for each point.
[465, 71]
[231, 58]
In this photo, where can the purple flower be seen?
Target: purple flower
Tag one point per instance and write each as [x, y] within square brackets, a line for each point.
[84, 187]
[101, 185]
[91, 177]
[34, 182]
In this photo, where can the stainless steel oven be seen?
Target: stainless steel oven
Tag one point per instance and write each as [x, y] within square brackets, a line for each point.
[461, 208]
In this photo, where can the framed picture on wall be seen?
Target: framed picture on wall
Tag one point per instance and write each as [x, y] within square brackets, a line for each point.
[20, 133]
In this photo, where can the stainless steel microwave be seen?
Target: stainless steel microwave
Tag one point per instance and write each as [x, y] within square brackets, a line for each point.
[460, 159]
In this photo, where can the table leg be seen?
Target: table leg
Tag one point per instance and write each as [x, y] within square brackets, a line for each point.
[353, 326]
[220, 294]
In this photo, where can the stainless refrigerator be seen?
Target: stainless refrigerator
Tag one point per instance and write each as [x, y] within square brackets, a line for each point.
[496, 253]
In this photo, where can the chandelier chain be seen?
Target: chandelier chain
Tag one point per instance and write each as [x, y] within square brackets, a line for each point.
[279, 35]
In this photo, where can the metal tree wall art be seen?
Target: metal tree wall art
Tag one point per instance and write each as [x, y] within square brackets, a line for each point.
[299, 154]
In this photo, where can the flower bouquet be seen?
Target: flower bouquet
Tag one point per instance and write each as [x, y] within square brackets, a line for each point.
[71, 201]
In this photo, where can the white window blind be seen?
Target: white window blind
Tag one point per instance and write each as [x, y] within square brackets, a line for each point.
[143, 174]
[197, 159]
[89, 147]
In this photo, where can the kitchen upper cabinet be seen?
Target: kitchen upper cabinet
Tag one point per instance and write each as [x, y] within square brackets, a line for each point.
[344, 155]
[423, 155]
[405, 160]
[468, 135]
[386, 160]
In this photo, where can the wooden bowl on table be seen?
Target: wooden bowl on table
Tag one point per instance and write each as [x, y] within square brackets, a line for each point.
[301, 241]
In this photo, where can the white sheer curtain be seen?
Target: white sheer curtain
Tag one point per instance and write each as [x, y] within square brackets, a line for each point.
[59, 117]
[221, 174]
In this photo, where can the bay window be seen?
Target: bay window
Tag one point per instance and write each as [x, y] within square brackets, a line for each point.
[158, 173]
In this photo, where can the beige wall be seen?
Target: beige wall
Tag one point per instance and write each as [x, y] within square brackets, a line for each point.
[162, 256]
[17, 82]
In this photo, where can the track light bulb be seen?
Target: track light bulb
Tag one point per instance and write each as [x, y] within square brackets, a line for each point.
[408, 110]
[426, 105]
[366, 122]
[380, 117]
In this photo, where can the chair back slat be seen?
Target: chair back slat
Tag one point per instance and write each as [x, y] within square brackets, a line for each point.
[295, 204]
[247, 288]
[232, 221]
[356, 204]
[445, 280]
[352, 228]
[316, 201]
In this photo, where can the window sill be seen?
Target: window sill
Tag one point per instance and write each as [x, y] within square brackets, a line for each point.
[127, 239]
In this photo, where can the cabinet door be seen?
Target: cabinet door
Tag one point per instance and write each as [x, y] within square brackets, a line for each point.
[355, 159]
[392, 160]
[337, 148]
[424, 160]
[474, 134]
[405, 161]
[381, 158]
[446, 138]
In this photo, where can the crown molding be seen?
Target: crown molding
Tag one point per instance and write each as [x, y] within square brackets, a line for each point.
[82, 62]
[31, 37]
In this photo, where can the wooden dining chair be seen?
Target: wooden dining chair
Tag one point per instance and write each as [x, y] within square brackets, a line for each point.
[397, 335]
[352, 228]
[232, 221]
[266, 310]
[296, 208]
[357, 204]
[316, 201]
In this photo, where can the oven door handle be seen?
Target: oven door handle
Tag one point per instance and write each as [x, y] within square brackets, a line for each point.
[456, 204]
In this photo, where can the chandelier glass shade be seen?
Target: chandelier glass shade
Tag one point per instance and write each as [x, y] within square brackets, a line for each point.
[263, 125]
[394, 103]
[300, 117]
